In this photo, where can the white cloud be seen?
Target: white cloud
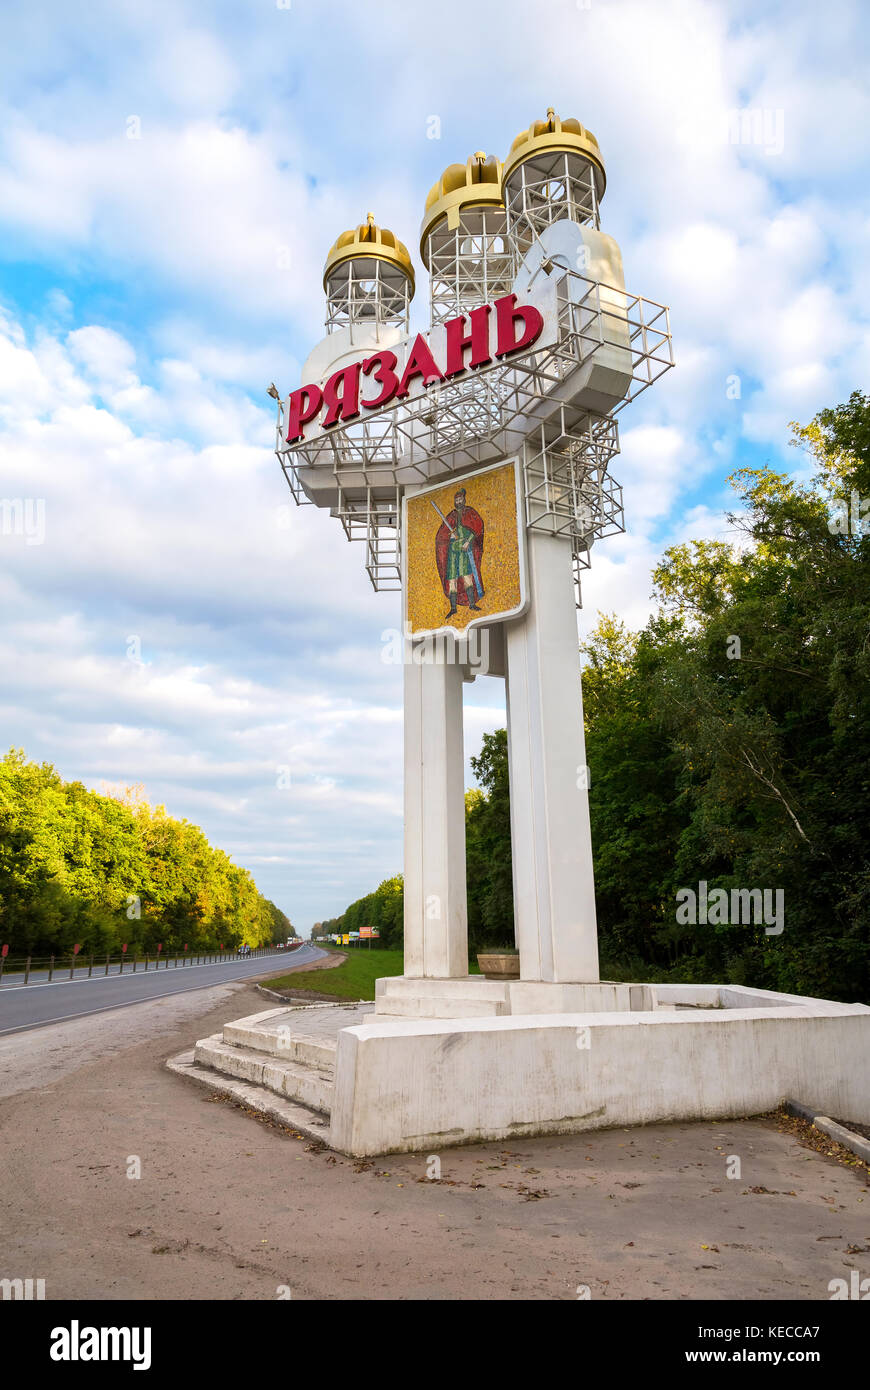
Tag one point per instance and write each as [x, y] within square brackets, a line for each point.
[106, 357]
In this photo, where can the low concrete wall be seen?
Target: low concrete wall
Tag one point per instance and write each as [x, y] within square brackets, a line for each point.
[743, 997]
[421, 1084]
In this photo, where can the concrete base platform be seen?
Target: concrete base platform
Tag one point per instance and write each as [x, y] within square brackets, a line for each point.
[411, 1084]
[402, 996]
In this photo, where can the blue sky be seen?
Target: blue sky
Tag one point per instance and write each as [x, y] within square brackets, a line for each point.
[182, 625]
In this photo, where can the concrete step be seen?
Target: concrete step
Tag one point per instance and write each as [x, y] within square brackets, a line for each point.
[282, 1040]
[312, 1124]
[301, 1081]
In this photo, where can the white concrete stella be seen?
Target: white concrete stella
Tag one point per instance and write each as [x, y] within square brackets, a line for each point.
[447, 1058]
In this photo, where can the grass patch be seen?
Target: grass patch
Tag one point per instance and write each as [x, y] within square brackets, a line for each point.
[355, 979]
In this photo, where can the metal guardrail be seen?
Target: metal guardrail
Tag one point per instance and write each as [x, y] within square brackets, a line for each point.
[27, 970]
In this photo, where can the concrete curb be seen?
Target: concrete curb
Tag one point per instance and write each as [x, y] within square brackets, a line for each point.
[299, 1003]
[856, 1143]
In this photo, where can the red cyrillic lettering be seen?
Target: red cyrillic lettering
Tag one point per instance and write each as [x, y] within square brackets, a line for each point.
[302, 406]
[477, 340]
[385, 374]
[420, 363]
[343, 406]
[506, 316]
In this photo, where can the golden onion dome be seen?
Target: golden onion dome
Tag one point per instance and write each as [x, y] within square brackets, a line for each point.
[557, 136]
[369, 241]
[476, 183]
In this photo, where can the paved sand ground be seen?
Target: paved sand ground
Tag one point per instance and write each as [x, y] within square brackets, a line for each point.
[229, 1207]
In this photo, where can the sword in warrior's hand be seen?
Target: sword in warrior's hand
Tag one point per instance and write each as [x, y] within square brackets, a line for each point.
[444, 519]
[466, 547]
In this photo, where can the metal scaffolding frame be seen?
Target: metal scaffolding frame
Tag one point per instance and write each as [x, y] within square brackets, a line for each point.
[580, 562]
[367, 290]
[545, 189]
[377, 521]
[567, 488]
[469, 264]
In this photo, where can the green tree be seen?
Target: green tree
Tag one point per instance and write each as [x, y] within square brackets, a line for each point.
[100, 871]
[488, 848]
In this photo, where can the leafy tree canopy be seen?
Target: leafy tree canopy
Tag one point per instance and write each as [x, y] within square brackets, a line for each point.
[77, 867]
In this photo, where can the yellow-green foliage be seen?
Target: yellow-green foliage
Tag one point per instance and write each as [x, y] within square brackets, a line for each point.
[78, 867]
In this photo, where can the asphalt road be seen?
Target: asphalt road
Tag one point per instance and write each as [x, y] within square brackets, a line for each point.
[30, 1006]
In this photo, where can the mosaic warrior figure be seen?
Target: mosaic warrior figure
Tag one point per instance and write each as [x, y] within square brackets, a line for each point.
[459, 554]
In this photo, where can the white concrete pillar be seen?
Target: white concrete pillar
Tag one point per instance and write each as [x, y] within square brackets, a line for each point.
[554, 893]
[436, 914]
